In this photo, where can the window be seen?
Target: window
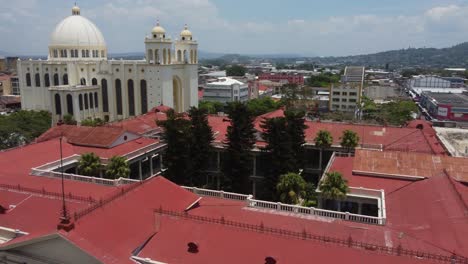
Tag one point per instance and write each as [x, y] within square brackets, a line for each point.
[336, 99]
[105, 102]
[96, 100]
[65, 53]
[87, 53]
[336, 93]
[46, 80]
[56, 79]
[83, 81]
[144, 97]
[58, 105]
[55, 53]
[352, 94]
[86, 105]
[91, 100]
[80, 102]
[28, 79]
[65, 79]
[335, 106]
[94, 81]
[83, 53]
[352, 100]
[131, 98]
[118, 96]
[344, 100]
[345, 93]
[37, 80]
[69, 104]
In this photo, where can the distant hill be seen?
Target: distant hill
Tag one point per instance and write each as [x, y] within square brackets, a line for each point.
[456, 56]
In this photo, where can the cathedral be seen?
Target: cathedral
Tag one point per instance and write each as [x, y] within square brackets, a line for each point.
[78, 79]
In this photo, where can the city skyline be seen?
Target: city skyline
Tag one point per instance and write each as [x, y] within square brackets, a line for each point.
[309, 28]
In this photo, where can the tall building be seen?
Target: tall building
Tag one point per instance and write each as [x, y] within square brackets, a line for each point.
[290, 78]
[78, 79]
[226, 90]
[346, 96]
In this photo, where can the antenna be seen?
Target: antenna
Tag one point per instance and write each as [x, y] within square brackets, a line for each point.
[65, 223]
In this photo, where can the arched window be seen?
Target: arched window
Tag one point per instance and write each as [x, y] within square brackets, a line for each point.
[65, 79]
[70, 104]
[179, 56]
[156, 56]
[86, 105]
[169, 56]
[37, 80]
[191, 56]
[105, 102]
[185, 56]
[28, 79]
[83, 81]
[58, 105]
[87, 53]
[164, 56]
[56, 79]
[131, 98]
[46, 80]
[91, 100]
[80, 102]
[118, 96]
[144, 97]
[150, 55]
[94, 81]
[96, 100]
[83, 53]
[196, 57]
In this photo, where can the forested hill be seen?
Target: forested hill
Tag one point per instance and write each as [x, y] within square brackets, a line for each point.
[456, 56]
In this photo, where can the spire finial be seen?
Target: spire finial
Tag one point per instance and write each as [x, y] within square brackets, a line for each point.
[157, 22]
[186, 26]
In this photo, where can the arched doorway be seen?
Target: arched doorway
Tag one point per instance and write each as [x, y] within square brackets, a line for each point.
[177, 94]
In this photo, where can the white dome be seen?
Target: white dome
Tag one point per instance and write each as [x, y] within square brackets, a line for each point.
[186, 33]
[77, 32]
[158, 29]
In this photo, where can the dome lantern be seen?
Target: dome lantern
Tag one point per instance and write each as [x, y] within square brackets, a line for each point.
[158, 31]
[75, 10]
[186, 34]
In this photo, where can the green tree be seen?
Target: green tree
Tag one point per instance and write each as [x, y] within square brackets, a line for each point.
[93, 122]
[202, 136]
[291, 188]
[177, 135]
[118, 167]
[211, 107]
[89, 164]
[295, 127]
[334, 186]
[397, 113]
[291, 94]
[262, 105]
[349, 140]
[323, 80]
[278, 152]
[323, 139]
[23, 127]
[236, 70]
[237, 162]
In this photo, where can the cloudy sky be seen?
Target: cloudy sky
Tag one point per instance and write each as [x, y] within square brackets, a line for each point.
[307, 27]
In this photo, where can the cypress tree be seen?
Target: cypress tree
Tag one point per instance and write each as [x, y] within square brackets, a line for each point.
[237, 162]
[201, 138]
[295, 127]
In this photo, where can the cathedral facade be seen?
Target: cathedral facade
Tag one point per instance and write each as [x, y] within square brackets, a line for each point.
[78, 78]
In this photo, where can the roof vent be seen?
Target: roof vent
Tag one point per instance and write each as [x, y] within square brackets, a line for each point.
[270, 260]
[192, 247]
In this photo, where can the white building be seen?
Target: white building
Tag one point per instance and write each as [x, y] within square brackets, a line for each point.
[226, 90]
[78, 79]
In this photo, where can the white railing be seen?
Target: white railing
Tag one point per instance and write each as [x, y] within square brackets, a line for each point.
[82, 178]
[142, 150]
[217, 194]
[360, 191]
[54, 164]
[296, 209]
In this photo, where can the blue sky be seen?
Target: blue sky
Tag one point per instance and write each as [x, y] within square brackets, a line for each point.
[307, 27]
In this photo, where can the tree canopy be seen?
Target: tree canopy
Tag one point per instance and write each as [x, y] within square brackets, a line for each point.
[291, 188]
[118, 167]
[89, 164]
[211, 107]
[323, 139]
[323, 80]
[236, 70]
[349, 139]
[22, 127]
[262, 105]
[200, 146]
[237, 162]
[334, 186]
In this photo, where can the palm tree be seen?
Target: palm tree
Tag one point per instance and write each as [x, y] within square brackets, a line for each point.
[118, 167]
[349, 140]
[291, 188]
[334, 186]
[89, 164]
[323, 139]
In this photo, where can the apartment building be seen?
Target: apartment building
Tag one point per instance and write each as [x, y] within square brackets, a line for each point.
[346, 96]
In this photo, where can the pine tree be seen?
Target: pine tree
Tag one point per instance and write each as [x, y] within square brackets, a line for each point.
[201, 136]
[177, 158]
[295, 127]
[237, 162]
[279, 153]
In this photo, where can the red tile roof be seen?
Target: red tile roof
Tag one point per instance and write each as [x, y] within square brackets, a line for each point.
[142, 124]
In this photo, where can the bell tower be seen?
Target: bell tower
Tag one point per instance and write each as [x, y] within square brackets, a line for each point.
[186, 48]
[158, 46]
